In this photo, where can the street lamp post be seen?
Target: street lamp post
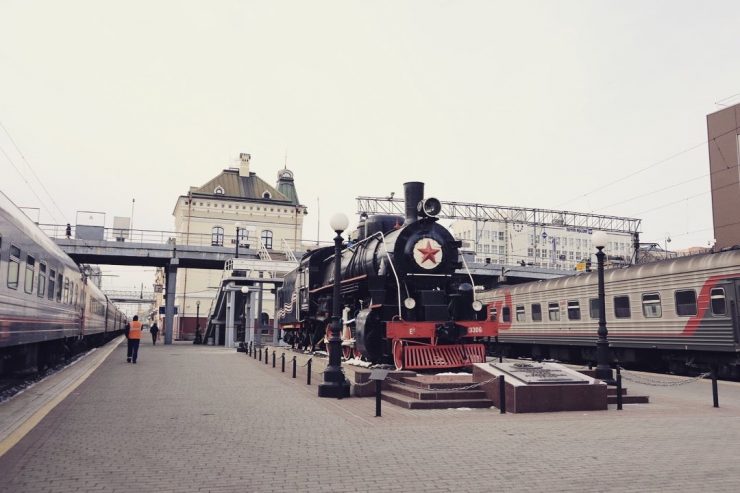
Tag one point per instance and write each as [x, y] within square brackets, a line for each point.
[197, 313]
[603, 369]
[335, 384]
[238, 228]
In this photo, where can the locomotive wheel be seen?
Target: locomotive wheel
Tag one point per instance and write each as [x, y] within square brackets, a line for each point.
[347, 352]
[398, 354]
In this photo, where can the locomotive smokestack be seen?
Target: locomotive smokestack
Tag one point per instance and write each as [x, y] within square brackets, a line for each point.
[413, 194]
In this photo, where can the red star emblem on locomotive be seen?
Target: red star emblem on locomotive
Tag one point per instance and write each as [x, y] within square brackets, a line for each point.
[428, 253]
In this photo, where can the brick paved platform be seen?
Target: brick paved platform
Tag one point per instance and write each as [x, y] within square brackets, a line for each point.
[195, 418]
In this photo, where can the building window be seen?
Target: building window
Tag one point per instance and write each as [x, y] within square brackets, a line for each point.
[267, 239]
[685, 303]
[219, 190]
[217, 236]
[14, 265]
[719, 307]
[266, 195]
[243, 236]
[651, 307]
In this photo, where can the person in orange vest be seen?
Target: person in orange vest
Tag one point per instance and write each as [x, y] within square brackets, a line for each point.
[133, 334]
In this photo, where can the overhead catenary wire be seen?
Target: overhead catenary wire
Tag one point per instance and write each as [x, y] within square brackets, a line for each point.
[28, 164]
[43, 204]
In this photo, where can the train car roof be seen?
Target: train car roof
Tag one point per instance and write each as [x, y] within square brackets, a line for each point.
[705, 262]
[18, 218]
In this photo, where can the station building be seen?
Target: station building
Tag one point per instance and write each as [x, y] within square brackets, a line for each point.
[723, 132]
[269, 221]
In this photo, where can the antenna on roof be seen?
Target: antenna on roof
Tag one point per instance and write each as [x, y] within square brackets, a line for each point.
[285, 166]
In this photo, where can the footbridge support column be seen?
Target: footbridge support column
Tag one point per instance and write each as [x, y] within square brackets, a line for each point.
[169, 309]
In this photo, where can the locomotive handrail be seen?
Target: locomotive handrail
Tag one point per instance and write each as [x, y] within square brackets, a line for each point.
[472, 283]
[393, 268]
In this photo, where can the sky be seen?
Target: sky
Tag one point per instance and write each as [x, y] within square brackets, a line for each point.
[574, 105]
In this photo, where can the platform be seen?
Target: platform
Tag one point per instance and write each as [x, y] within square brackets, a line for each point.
[197, 418]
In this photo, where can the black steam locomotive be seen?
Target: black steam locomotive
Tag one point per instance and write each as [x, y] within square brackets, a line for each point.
[402, 299]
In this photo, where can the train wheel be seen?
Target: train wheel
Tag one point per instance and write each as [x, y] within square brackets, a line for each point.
[398, 354]
[347, 352]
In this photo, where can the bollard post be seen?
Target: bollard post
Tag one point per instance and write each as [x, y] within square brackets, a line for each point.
[273, 359]
[619, 389]
[715, 395]
[282, 362]
[267, 356]
[502, 394]
[260, 357]
[308, 372]
[294, 366]
[378, 388]
[249, 348]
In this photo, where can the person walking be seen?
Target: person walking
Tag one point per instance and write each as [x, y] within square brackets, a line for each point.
[133, 334]
[154, 331]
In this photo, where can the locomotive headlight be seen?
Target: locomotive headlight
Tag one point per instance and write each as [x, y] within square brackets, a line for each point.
[409, 303]
[477, 306]
[430, 207]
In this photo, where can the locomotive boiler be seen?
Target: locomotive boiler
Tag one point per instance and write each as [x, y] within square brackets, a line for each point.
[402, 296]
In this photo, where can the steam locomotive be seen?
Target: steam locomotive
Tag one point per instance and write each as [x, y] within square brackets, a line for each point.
[403, 300]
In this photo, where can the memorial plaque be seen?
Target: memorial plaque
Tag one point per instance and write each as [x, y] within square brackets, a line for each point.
[378, 374]
[533, 373]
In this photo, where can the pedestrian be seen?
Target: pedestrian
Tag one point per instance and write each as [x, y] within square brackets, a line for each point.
[133, 334]
[154, 331]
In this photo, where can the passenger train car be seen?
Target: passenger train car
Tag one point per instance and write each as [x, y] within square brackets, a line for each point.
[672, 314]
[404, 300]
[47, 306]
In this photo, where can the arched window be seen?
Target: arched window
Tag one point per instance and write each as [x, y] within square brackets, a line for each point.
[267, 195]
[217, 236]
[219, 190]
[267, 239]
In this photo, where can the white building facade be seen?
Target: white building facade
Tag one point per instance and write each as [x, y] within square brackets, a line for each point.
[551, 246]
[269, 219]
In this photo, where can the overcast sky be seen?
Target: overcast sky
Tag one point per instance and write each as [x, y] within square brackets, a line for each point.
[537, 104]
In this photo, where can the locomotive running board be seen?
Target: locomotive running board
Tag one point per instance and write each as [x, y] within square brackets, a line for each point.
[453, 356]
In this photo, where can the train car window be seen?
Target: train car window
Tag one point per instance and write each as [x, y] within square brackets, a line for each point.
[30, 271]
[77, 293]
[593, 308]
[520, 317]
[719, 306]
[60, 280]
[493, 315]
[42, 280]
[574, 310]
[622, 307]
[685, 303]
[506, 314]
[217, 236]
[65, 298]
[52, 279]
[536, 312]
[553, 311]
[14, 266]
[651, 307]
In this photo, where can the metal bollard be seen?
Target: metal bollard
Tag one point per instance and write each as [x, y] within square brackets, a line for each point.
[249, 348]
[294, 366]
[260, 357]
[619, 389]
[308, 372]
[267, 356]
[378, 388]
[282, 362]
[273, 358]
[715, 395]
[502, 394]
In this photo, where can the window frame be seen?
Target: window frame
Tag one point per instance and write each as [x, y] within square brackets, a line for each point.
[217, 236]
[617, 306]
[594, 310]
[266, 238]
[506, 314]
[538, 316]
[29, 274]
[646, 303]
[724, 302]
[14, 263]
[574, 308]
[551, 311]
[521, 315]
[41, 290]
[675, 299]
